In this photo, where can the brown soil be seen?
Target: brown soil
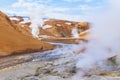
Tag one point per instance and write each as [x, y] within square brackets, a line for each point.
[13, 41]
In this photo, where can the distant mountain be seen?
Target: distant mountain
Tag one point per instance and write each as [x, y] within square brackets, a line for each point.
[63, 28]
[53, 30]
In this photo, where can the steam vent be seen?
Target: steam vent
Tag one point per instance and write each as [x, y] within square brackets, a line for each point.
[60, 40]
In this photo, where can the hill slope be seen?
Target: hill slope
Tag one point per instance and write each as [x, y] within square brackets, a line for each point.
[13, 42]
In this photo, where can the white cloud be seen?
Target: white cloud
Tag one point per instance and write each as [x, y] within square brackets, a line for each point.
[60, 9]
[37, 8]
[78, 1]
[84, 7]
[88, 0]
[46, 1]
[72, 0]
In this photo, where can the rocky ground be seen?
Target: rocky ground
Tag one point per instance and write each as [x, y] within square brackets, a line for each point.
[57, 64]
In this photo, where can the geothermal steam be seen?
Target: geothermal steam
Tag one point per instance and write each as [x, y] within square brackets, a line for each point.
[75, 33]
[103, 41]
[36, 23]
[36, 19]
[35, 11]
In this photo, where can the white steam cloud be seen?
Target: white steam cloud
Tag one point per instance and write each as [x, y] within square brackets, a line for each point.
[75, 33]
[36, 13]
[104, 39]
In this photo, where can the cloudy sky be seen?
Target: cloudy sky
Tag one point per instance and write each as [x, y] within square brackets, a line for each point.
[62, 9]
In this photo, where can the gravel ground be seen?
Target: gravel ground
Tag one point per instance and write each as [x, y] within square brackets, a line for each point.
[57, 65]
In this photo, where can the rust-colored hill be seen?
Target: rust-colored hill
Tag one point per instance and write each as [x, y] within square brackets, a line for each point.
[21, 27]
[62, 28]
[61, 31]
[13, 41]
[54, 30]
[51, 27]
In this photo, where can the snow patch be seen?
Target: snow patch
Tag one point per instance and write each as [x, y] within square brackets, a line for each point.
[25, 21]
[46, 27]
[68, 23]
[58, 24]
[13, 18]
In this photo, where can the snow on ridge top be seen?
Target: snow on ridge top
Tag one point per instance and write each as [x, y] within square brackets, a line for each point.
[25, 21]
[68, 23]
[46, 26]
[58, 24]
[13, 18]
